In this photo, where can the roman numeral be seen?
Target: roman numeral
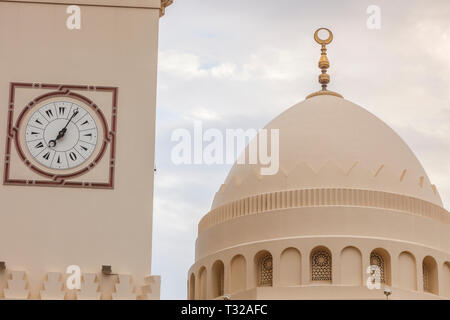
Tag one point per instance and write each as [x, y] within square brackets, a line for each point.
[39, 145]
[49, 113]
[62, 110]
[34, 133]
[88, 135]
[37, 120]
[86, 122]
[84, 148]
[59, 160]
[73, 156]
[46, 156]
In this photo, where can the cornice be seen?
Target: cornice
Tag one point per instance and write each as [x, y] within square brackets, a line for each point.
[142, 4]
[164, 5]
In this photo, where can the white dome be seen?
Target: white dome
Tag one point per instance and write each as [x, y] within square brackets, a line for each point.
[329, 142]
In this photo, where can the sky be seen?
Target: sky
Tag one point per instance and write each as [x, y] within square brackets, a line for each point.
[238, 64]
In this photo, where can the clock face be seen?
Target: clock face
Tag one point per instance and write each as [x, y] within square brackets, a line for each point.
[61, 135]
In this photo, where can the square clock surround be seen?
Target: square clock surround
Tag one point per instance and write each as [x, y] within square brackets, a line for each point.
[72, 95]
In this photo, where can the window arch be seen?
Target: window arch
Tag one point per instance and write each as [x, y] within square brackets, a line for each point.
[381, 258]
[238, 274]
[218, 279]
[192, 287]
[408, 271]
[264, 269]
[377, 260]
[202, 285]
[446, 278]
[430, 275]
[290, 267]
[321, 264]
[351, 266]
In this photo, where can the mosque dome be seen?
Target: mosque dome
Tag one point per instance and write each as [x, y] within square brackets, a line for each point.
[330, 142]
[349, 197]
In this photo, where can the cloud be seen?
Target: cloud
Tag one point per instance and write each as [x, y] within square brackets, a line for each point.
[238, 64]
[188, 66]
[268, 64]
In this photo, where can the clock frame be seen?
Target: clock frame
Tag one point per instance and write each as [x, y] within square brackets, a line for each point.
[81, 128]
[63, 178]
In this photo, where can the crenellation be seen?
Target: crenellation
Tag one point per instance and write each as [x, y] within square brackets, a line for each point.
[17, 286]
[124, 288]
[53, 287]
[90, 288]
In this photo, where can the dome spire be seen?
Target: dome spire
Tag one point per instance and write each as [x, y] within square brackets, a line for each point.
[324, 64]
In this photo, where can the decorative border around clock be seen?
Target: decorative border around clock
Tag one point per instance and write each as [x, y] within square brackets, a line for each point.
[75, 96]
[62, 90]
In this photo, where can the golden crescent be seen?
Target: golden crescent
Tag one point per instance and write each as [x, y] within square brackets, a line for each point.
[320, 41]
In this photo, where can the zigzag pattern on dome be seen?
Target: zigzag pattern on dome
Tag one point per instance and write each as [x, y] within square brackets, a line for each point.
[244, 182]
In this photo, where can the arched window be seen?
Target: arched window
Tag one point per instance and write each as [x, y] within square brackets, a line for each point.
[351, 266]
[264, 271]
[321, 265]
[218, 279]
[430, 275]
[426, 277]
[377, 260]
[238, 274]
[192, 287]
[446, 291]
[408, 271]
[381, 259]
[202, 285]
[290, 267]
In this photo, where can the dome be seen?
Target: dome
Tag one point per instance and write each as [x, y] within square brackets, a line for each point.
[329, 142]
[347, 193]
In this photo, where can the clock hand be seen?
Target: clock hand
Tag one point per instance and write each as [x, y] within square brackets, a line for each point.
[62, 132]
[73, 116]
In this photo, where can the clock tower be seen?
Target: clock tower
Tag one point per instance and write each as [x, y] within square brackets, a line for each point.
[77, 130]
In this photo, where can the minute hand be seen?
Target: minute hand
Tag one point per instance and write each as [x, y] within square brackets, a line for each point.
[73, 116]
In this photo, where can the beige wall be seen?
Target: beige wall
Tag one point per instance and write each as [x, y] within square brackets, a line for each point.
[46, 229]
[316, 221]
[351, 234]
[348, 271]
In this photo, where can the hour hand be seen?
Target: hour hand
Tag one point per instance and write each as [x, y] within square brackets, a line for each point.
[52, 143]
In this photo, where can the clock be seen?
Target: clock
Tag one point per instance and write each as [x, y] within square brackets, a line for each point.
[62, 136]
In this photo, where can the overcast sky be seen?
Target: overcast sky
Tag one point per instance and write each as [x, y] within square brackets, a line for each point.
[238, 64]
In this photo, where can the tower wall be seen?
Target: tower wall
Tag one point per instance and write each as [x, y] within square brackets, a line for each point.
[46, 229]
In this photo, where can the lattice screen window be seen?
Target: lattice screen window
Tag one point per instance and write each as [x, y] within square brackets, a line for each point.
[426, 276]
[377, 260]
[265, 271]
[321, 266]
